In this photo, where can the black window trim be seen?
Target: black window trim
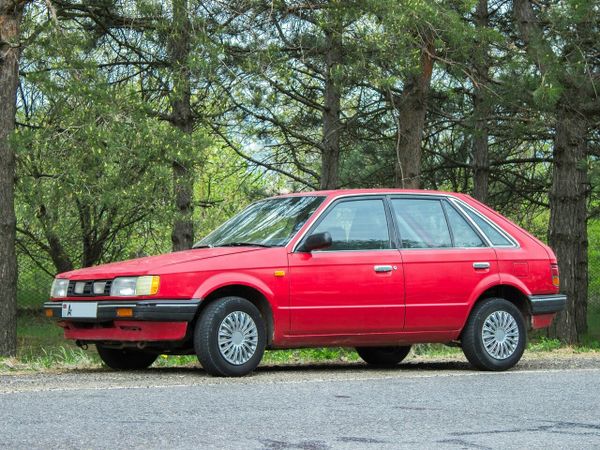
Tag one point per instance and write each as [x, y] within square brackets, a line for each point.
[388, 216]
[450, 230]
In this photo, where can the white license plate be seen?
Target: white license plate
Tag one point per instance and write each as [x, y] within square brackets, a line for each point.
[80, 310]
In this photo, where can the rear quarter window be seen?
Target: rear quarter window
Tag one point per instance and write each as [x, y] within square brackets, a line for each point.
[495, 236]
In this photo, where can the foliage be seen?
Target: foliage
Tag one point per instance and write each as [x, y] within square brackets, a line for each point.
[95, 159]
[244, 95]
[92, 169]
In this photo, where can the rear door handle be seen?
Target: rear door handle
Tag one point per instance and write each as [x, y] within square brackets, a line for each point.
[380, 269]
[481, 265]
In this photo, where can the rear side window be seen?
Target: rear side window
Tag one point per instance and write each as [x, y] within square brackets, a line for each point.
[422, 223]
[356, 225]
[464, 235]
[495, 237]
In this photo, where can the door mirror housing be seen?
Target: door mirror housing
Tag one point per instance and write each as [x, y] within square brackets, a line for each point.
[316, 242]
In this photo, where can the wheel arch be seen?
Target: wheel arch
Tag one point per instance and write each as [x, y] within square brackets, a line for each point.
[250, 293]
[508, 292]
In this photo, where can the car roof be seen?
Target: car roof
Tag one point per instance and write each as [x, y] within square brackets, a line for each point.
[383, 191]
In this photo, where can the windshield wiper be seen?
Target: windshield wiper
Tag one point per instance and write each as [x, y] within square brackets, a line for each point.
[243, 244]
[203, 246]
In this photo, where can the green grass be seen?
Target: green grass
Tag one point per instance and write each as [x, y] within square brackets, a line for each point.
[435, 350]
[310, 355]
[35, 332]
[40, 345]
[544, 344]
[297, 356]
[63, 356]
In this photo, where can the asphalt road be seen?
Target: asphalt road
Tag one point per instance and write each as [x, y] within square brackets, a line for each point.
[443, 405]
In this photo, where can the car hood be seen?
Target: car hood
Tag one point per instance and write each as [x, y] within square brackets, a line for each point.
[152, 265]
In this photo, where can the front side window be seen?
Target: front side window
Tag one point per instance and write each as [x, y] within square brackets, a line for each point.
[356, 225]
[421, 223]
[269, 223]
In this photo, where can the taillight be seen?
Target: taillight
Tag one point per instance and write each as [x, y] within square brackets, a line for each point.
[555, 275]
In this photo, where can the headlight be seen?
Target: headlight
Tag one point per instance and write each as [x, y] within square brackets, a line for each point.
[130, 286]
[59, 287]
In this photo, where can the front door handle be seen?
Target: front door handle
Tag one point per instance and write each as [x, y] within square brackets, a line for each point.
[481, 265]
[380, 269]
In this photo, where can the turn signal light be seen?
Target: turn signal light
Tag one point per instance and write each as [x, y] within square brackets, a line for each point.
[555, 275]
[49, 313]
[124, 312]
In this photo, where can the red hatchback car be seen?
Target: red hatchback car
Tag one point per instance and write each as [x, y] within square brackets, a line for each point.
[378, 270]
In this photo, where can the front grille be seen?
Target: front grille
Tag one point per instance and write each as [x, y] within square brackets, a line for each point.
[88, 288]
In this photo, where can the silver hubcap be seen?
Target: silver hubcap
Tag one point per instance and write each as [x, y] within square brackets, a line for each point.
[500, 334]
[238, 338]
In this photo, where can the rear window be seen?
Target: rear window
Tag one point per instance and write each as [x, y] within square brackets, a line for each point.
[422, 223]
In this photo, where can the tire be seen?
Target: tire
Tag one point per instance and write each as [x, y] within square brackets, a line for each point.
[125, 359]
[499, 324]
[383, 356]
[230, 337]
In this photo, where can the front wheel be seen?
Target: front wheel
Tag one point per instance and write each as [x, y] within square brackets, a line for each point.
[495, 335]
[383, 356]
[125, 359]
[230, 337]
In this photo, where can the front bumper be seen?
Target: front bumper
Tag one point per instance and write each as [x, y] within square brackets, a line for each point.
[142, 310]
[547, 304]
[124, 320]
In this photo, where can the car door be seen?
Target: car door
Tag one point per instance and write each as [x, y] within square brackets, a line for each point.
[356, 285]
[446, 262]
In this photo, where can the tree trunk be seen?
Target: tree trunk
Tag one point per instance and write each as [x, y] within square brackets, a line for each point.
[412, 108]
[567, 234]
[568, 222]
[10, 20]
[182, 235]
[330, 153]
[59, 256]
[481, 110]
[55, 249]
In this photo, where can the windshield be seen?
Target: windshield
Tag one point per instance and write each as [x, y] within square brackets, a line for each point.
[272, 222]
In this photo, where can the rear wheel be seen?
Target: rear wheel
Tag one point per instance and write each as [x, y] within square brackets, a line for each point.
[383, 356]
[125, 359]
[495, 335]
[230, 337]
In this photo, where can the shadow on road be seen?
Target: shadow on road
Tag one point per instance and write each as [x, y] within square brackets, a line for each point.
[358, 367]
[305, 368]
[335, 369]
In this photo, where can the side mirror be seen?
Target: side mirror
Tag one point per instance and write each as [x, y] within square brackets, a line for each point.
[316, 242]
